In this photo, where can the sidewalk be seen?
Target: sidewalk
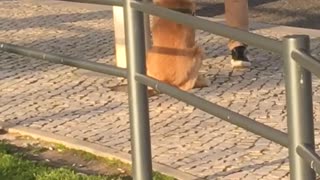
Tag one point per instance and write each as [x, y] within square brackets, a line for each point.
[53, 101]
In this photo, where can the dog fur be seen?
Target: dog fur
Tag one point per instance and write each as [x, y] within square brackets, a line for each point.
[174, 57]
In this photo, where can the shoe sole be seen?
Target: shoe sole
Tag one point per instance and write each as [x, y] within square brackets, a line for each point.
[240, 64]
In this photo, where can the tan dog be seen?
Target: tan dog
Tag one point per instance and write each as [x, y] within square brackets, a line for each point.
[174, 57]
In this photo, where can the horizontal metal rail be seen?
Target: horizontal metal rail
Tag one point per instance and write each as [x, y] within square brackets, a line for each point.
[307, 61]
[308, 154]
[209, 26]
[88, 65]
[301, 148]
[216, 110]
[101, 2]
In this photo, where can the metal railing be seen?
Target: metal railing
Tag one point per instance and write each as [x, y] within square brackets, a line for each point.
[298, 63]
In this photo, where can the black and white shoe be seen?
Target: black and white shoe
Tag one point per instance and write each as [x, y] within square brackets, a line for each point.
[239, 57]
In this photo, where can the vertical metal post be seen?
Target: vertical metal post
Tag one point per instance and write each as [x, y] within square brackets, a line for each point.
[147, 31]
[299, 107]
[138, 100]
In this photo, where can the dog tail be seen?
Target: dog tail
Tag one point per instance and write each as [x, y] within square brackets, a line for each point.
[197, 52]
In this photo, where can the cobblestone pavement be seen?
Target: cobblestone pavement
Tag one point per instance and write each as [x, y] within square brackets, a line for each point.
[80, 104]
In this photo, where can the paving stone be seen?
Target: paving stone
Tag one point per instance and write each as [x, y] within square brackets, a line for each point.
[79, 104]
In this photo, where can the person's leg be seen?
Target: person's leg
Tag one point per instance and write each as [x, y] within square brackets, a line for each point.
[236, 14]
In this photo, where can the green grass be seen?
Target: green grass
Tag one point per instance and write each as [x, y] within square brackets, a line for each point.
[110, 162]
[14, 166]
[88, 157]
[159, 176]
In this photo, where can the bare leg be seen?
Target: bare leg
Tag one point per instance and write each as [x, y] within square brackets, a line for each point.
[237, 17]
[236, 14]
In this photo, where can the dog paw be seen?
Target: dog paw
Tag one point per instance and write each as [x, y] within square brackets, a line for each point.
[202, 82]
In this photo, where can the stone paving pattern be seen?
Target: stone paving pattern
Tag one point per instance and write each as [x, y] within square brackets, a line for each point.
[80, 104]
